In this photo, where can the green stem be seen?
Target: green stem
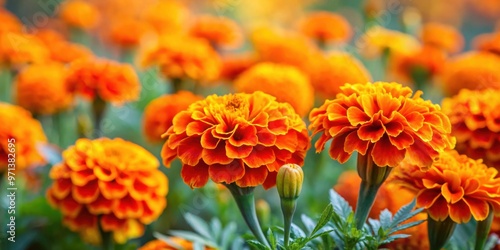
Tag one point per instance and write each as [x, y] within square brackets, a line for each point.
[98, 108]
[483, 230]
[107, 242]
[49, 127]
[366, 198]
[5, 84]
[244, 198]
[176, 84]
[288, 208]
[439, 232]
[66, 123]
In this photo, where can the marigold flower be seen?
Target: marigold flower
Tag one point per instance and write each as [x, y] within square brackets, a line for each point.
[20, 128]
[475, 120]
[17, 49]
[428, 61]
[173, 22]
[442, 36]
[10, 23]
[488, 42]
[486, 8]
[240, 139]
[111, 81]
[162, 245]
[56, 42]
[234, 65]
[326, 27]
[128, 32]
[42, 89]
[384, 121]
[79, 14]
[111, 182]
[377, 40]
[221, 32]
[160, 112]
[472, 70]
[183, 57]
[328, 74]
[456, 186]
[286, 83]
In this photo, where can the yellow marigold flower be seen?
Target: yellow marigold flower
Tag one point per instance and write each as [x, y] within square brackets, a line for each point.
[475, 120]
[220, 31]
[42, 88]
[163, 23]
[79, 14]
[162, 245]
[471, 70]
[111, 182]
[237, 138]
[160, 112]
[442, 36]
[377, 40]
[128, 32]
[384, 121]
[326, 27]
[456, 186]
[19, 127]
[183, 57]
[328, 74]
[111, 81]
[488, 42]
[10, 23]
[17, 49]
[234, 65]
[286, 83]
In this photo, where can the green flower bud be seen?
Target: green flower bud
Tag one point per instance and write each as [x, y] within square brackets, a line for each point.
[289, 181]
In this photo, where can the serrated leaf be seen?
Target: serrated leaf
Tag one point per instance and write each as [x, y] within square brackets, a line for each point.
[198, 224]
[257, 245]
[492, 241]
[326, 215]
[308, 223]
[374, 224]
[394, 237]
[167, 240]
[272, 238]
[405, 226]
[192, 237]
[296, 232]
[404, 213]
[340, 205]
[237, 244]
[385, 219]
[320, 234]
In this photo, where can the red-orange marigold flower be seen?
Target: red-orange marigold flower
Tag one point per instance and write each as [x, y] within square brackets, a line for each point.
[384, 120]
[455, 186]
[108, 183]
[56, 43]
[475, 120]
[111, 81]
[220, 31]
[42, 88]
[162, 245]
[442, 36]
[21, 129]
[427, 60]
[128, 32]
[286, 83]
[236, 138]
[80, 14]
[234, 65]
[326, 27]
[160, 112]
[488, 42]
[17, 49]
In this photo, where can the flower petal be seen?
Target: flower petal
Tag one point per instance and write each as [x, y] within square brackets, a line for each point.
[195, 176]
[227, 173]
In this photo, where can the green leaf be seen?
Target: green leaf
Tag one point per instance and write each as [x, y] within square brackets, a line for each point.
[405, 226]
[215, 229]
[192, 237]
[404, 213]
[296, 232]
[308, 223]
[385, 219]
[394, 237]
[227, 234]
[257, 245]
[340, 205]
[272, 239]
[198, 224]
[492, 242]
[326, 215]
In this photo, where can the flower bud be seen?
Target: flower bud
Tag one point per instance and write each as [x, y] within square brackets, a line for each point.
[289, 181]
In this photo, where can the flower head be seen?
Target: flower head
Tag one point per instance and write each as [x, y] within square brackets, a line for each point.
[21, 129]
[326, 27]
[377, 40]
[234, 65]
[173, 22]
[108, 182]
[428, 60]
[455, 186]
[160, 112]
[384, 120]
[286, 83]
[111, 81]
[17, 49]
[488, 42]
[219, 31]
[10, 23]
[240, 139]
[442, 37]
[56, 42]
[79, 14]
[42, 88]
[475, 121]
[128, 32]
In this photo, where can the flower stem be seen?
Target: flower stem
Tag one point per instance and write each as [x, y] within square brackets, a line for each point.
[482, 231]
[98, 108]
[244, 198]
[5, 84]
[288, 208]
[106, 239]
[439, 232]
[366, 198]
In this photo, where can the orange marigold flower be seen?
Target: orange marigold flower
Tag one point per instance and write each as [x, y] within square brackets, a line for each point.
[286, 83]
[237, 138]
[472, 70]
[128, 32]
[442, 36]
[173, 22]
[162, 245]
[377, 40]
[160, 112]
[56, 42]
[220, 31]
[455, 186]
[79, 14]
[475, 120]
[17, 49]
[111, 81]
[108, 182]
[427, 61]
[383, 120]
[488, 42]
[326, 27]
[234, 65]
[19, 127]
[10, 23]
[486, 8]
[328, 74]
[42, 89]
[183, 57]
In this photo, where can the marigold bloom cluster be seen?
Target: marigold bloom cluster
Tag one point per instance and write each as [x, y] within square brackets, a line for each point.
[286, 83]
[111, 81]
[221, 32]
[42, 88]
[326, 27]
[160, 112]
[20, 128]
[384, 120]
[442, 36]
[475, 120]
[155, 15]
[456, 186]
[79, 14]
[108, 183]
[236, 138]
